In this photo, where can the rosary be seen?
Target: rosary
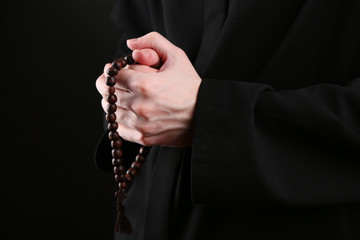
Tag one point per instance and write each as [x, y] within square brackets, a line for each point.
[123, 177]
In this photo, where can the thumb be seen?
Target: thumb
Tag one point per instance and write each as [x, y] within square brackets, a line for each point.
[147, 56]
[154, 41]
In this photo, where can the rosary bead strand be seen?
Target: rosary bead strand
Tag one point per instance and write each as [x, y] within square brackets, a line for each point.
[123, 177]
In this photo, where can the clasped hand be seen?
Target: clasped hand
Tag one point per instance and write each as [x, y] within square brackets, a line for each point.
[157, 96]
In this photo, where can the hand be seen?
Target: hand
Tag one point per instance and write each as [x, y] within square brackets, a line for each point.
[155, 106]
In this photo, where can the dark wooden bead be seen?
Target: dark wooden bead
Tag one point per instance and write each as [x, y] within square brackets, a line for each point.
[113, 126]
[111, 90]
[140, 158]
[111, 71]
[111, 117]
[117, 179]
[117, 143]
[116, 153]
[110, 81]
[136, 165]
[119, 170]
[129, 59]
[123, 61]
[129, 178]
[113, 135]
[116, 162]
[117, 64]
[111, 98]
[111, 108]
[120, 178]
[144, 150]
[123, 185]
[131, 171]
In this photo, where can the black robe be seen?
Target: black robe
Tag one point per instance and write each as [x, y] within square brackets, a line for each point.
[276, 147]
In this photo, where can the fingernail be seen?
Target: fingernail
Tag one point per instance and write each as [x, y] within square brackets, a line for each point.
[132, 40]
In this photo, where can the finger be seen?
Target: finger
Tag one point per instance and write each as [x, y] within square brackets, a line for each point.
[126, 117]
[124, 99]
[106, 68]
[154, 41]
[128, 133]
[131, 78]
[124, 78]
[123, 116]
[147, 57]
[142, 68]
[104, 104]
[133, 135]
[101, 85]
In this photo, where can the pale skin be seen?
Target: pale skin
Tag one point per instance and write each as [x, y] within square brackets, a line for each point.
[157, 96]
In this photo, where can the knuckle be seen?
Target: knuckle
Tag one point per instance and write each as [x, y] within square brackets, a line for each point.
[101, 86]
[140, 138]
[180, 52]
[100, 81]
[142, 86]
[154, 34]
[146, 129]
[106, 67]
[145, 141]
[141, 110]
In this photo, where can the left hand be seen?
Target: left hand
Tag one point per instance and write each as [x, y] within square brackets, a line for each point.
[155, 106]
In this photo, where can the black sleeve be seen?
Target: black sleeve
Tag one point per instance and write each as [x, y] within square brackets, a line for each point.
[257, 146]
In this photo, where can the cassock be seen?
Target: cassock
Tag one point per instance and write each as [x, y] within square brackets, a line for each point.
[276, 145]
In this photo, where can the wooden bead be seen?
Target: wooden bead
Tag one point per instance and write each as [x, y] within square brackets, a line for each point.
[120, 178]
[118, 64]
[113, 135]
[119, 170]
[129, 59]
[111, 117]
[113, 126]
[111, 90]
[129, 178]
[111, 98]
[116, 162]
[116, 143]
[117, 179]
[131, 171]
[123, 61]
[116, 153]
[111, 108]
[136, 165]
[111, 71]
[110, 81]
[140, 158]
[115, 64]
[144, 150]
[123, 185]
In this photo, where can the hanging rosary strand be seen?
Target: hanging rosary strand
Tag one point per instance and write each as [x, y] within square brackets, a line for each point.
[123, 177]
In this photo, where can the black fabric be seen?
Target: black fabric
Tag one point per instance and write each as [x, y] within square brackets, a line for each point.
[276, 148]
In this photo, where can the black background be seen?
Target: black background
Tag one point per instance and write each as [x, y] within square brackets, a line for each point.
[52, 54]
